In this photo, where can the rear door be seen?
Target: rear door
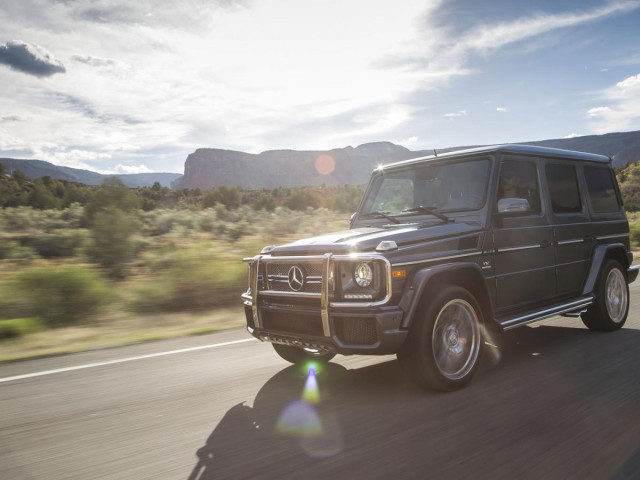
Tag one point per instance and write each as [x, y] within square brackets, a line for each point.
[573, 236]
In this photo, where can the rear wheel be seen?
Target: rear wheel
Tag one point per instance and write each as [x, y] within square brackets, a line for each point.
[300, 355]
[445, 343]
[611, 306]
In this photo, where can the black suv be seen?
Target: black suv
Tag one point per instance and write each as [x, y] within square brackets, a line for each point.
[444, 249]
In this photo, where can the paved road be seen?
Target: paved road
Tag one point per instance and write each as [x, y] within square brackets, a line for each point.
[556, 401]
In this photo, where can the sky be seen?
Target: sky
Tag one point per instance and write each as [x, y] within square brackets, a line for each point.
[118, 86]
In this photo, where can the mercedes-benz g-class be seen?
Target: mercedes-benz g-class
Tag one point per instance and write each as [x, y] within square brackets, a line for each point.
[444, 249]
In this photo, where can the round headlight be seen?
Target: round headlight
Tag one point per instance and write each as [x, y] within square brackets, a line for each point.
[363, 275]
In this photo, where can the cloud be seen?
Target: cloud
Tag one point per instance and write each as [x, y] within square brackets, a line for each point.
[630, 83]
[495, 36]
[598, 112]
[132, 169]
[461, 113]
[501, 109]
[621, 110]
[30, 58]
[95, 61]
[11, 118]
[572, 135]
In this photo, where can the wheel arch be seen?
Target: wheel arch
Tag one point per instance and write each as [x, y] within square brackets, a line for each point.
[614, 251]
[465, 275]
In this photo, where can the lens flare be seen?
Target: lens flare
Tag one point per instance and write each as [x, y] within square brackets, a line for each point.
[311, 393]
[491, 346]
[325, 164]
[299, 419]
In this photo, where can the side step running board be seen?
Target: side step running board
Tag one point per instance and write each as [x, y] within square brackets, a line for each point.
[573, 308]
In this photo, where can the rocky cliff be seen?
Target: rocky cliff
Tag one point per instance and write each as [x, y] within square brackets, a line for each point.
[210, 167]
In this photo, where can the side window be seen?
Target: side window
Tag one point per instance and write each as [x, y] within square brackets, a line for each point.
[602, 192]
[520, 180]
[563, 188]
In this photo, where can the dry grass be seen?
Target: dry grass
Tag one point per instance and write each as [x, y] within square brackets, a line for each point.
[119, 328]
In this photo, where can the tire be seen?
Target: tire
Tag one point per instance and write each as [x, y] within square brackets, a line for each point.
[611, 306]
[445, 343]
[300, 355]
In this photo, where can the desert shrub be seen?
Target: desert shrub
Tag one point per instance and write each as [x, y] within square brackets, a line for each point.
[60, 243]
[634, 231]
[17, 327]
[194, 279]
[112, 245]
[62, 295]
[12, 250]
[282, 222]
[72, 215]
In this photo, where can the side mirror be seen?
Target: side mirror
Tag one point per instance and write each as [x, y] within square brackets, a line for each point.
[510, 206]
[352, 218]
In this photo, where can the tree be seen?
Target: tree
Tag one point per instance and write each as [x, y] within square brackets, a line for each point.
[113, 247]
[111, 194]
[20, 177]
[41, 198]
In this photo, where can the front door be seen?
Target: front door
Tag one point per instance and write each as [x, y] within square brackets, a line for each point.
[524, 256]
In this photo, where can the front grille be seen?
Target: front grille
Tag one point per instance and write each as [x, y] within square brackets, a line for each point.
[356, 331]
[286, 322]
[278, 276]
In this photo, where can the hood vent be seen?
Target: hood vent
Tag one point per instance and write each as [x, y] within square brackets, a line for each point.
[467, 243]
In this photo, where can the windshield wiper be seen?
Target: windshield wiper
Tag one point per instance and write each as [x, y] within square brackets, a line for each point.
[382, 215]
[421, 209]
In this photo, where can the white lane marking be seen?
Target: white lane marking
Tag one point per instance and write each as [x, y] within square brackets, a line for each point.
[121, 360]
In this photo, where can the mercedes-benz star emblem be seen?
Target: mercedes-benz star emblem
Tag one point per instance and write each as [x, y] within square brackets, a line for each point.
[296, 278]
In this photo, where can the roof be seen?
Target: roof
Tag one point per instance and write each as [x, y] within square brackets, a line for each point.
[515, 149]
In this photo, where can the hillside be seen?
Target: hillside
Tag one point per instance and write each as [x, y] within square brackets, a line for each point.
[39, 168]
[209, 167]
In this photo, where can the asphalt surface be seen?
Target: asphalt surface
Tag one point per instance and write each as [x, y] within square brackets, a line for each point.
[554, 400]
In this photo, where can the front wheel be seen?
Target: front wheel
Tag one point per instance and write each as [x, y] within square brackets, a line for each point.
[445, 344]
[611, 305]
[298, 355]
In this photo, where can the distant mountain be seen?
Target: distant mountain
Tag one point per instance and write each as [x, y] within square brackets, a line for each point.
[39, 168]
[210, 167]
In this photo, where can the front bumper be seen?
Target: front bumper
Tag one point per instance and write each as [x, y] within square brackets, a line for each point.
[632, 274]
[370, 333]
[313, 321]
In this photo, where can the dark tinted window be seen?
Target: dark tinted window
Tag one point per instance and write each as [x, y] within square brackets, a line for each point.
[520, 180]
[602, 193]
[563, 188]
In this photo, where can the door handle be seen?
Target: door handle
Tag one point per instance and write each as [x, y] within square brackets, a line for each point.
[545, 243]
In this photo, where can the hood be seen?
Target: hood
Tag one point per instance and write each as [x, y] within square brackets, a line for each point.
[367, 239]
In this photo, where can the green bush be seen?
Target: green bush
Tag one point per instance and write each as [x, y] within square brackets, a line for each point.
[195, 279]
[63, 295]
[634, 231]
[60, 243]
[12, 250]
[112, 244]
[17, 327]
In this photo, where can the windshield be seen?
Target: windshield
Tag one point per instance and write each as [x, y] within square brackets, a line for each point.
[439, 187]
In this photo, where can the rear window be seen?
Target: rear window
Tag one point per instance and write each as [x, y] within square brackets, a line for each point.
[602, 192]
[563, 188]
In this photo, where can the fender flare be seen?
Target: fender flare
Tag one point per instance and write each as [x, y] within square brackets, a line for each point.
[598, 257]
[414, 293]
